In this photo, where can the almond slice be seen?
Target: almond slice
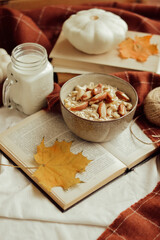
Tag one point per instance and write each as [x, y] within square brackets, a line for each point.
[115, 115]
[129, 106]
[109, 98]
[98, 98]
[97, 89]
[90, 86]
[102, 110]
[109, 112]
[79, 107]
[121, 95]
[122, 109]
[80, 93]
[87, 95]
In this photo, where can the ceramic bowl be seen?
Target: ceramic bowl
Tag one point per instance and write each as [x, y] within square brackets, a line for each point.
[97, 131]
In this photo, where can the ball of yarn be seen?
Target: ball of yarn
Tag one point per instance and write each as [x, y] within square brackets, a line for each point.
[152, 106]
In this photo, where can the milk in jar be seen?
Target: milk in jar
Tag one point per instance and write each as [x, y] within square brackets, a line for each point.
[29, 78]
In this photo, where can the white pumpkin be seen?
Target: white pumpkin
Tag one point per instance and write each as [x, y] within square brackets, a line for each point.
[94, 31]
[4, 60]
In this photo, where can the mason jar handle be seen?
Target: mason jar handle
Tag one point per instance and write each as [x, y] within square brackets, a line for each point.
[7, 101]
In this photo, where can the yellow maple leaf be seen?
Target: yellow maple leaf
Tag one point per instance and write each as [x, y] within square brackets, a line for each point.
[58, 165]
[139, 49]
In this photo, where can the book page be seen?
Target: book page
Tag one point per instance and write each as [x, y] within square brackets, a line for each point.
[103, 168]
[128, 149]
[63, 65]
[21, 143]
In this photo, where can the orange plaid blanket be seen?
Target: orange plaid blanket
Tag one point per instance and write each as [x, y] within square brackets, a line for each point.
[140, 221]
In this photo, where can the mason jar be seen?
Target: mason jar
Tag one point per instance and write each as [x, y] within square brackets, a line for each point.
[29, 78]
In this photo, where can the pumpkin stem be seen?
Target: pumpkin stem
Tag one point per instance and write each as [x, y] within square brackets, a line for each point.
[94, 17]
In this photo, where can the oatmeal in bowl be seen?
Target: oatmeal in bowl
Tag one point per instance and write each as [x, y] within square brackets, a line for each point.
[98, 102]
[97, 107]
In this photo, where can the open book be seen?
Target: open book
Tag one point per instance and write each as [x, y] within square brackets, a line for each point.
[109, 159]
[67, 59]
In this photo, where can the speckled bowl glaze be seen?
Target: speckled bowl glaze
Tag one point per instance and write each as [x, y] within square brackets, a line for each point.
[97, 131]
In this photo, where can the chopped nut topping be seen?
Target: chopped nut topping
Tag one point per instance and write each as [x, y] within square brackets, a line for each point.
[98, 102]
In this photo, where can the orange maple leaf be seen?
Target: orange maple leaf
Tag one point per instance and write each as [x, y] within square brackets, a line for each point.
[58, 165]
[139, 49]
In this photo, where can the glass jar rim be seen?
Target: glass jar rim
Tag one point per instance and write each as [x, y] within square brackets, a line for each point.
[29, 49]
